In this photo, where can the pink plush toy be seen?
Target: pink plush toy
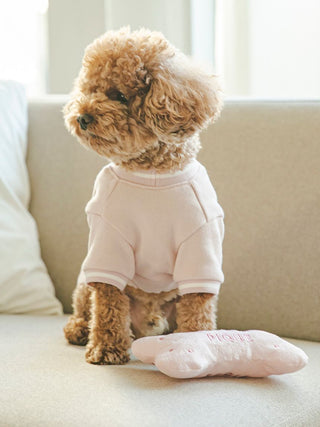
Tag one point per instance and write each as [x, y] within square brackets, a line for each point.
[221, 352]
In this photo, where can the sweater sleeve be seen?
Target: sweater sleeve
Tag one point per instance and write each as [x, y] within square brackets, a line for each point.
[110, 257]
[198, 266]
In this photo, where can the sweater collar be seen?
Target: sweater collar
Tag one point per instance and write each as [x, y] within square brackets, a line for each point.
[153, 178]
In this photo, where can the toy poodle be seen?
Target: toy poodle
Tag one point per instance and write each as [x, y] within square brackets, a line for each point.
[155, 244]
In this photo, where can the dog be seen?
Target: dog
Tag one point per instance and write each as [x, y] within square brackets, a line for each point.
[156, 229]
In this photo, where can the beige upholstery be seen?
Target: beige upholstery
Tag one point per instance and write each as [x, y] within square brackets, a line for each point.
[264, 161]
[46, 383]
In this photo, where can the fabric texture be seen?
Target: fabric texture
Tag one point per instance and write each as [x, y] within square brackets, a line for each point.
[156, 232]
[211, 353]
[25, 286]
[46, 382]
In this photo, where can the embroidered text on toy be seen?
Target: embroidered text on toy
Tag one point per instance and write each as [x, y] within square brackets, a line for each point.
[234, 337]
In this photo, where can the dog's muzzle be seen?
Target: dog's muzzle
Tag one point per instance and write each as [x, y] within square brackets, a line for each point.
[84, 120]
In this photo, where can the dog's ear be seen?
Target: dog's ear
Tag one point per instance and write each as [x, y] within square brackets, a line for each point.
[180, 104]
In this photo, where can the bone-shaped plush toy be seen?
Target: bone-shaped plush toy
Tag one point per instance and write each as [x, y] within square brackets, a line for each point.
[221, 352]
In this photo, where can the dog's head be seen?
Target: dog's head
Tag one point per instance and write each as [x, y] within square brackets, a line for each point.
[136, 91]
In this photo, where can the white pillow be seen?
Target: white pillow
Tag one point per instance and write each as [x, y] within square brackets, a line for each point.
[25, 286]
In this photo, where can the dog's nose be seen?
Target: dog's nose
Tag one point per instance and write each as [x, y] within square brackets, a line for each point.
[84, 120]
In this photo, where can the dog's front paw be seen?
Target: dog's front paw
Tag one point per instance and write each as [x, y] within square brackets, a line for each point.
[76, 331]
[105, 355]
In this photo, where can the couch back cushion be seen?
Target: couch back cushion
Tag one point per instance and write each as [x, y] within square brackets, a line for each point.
[263, 159]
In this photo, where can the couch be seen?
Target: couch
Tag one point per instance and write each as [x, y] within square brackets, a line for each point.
[263, 159]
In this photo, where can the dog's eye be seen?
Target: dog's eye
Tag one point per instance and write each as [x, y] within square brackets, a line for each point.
[116, 95]
[121, 98]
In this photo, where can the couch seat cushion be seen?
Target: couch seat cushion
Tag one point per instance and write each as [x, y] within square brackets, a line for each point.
[45, 381]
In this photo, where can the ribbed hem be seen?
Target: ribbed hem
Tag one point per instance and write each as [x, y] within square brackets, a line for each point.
[196, 287]
[105, 277]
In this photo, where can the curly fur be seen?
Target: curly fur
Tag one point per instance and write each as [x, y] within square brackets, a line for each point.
[167, 101]
[196, 312]
[110, 335]
[77, 328]
[151, 313]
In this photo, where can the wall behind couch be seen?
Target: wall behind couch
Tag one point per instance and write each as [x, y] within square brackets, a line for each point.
[71, 27]
[73, 24]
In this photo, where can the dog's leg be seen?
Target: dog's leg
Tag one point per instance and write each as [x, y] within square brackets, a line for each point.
[110, 335]
[196, 312]
[77, 329]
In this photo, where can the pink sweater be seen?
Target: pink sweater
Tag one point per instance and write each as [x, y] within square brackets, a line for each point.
[153, 231]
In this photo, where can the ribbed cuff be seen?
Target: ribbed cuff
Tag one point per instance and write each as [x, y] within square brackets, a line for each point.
[105, 277]
[197, 287]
